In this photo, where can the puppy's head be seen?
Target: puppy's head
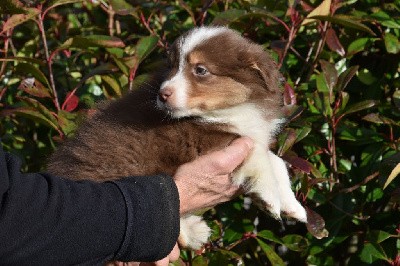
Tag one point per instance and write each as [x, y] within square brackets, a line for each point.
[213, 68]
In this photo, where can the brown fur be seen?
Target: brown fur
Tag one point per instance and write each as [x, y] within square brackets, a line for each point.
[130, 137]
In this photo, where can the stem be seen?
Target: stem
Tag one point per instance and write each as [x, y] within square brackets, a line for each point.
[312, 65]
[203, 12]
[307, 64]
[292, 33]
[111, 15]
[2, 92]
[49, 62]
[146, 23]
[332, 149]
[6, 43]
[321, 42]
[132, 74]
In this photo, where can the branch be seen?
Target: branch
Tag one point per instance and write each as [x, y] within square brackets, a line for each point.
[49, 61]
[365, 181]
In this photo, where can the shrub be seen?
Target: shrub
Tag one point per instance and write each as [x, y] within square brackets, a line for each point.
[340, 60]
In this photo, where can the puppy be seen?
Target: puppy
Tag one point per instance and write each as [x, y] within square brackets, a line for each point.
[219, 86]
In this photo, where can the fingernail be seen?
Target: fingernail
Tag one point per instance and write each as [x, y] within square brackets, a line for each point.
[249, 142]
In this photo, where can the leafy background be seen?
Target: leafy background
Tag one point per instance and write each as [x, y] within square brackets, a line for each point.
[341, 64]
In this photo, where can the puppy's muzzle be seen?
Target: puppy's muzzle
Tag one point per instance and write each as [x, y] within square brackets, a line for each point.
[165, 94]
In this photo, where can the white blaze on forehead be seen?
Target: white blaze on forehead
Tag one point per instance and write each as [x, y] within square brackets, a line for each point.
[178, 82]
[196, 37]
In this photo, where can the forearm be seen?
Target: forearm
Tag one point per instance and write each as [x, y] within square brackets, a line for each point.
[47, 220]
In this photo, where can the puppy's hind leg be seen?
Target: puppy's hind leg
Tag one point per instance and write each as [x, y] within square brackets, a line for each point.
[194, 232]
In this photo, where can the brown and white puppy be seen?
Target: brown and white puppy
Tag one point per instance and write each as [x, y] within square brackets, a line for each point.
[219, 86]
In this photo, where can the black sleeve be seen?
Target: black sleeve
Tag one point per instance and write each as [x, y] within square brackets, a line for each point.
[46, 220]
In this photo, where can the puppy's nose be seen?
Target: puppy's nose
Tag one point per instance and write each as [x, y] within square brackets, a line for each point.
[164, 94]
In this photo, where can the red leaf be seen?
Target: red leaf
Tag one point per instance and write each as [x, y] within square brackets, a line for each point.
[71, 102]
[289, 95]
[298, 162]
[333, 42]
[316, 224]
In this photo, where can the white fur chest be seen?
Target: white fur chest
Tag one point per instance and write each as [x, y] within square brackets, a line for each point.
[247, 120]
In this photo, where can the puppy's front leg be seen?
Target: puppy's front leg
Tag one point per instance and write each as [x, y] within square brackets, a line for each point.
[256, 174]
[289, 204]
[269, 181]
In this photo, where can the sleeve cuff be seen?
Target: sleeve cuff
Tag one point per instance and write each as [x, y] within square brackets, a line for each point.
[152, 226]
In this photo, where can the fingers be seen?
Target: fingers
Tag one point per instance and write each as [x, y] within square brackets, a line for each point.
[175, 253]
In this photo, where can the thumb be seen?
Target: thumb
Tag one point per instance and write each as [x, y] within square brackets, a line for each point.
[226, 160]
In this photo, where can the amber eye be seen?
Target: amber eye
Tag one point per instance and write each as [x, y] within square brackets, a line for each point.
[200, 70]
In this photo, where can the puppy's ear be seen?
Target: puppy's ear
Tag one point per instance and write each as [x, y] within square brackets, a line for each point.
[266, 74]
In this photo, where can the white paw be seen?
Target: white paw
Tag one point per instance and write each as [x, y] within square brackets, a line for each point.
[295, 210]
[194, 232]
[271, 202]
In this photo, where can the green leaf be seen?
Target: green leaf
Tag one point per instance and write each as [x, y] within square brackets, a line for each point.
[120, 62]
[11, 7]
[24, 68]
[322, 85]
[23, 59]
[375, 195]
[345, 77]
[396, 98]
[330, 74]
[392, 43]
[358, 45]
[385, 19]
[346, 21]
[323, 103]
[360, 106]
[55, 3]
[92, 41]
[344, 97]
[41, 108]
[295, 242]
[31, 113]
[372, 252]
[377, 236]
[228, 16]
[112, 85]
[380, 119]
[269, 235]
[197, 261]
[288, 139]
[271, 254]
[145, 46]
[223, 257]
[67, 122]
[123, 8]
[18, 19]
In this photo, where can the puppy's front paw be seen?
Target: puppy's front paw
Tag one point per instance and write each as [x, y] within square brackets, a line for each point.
[268, 204]
[295, 210]
[194, 232]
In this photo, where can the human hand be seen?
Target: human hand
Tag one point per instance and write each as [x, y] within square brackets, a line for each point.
[173, 256]
[206, 181]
